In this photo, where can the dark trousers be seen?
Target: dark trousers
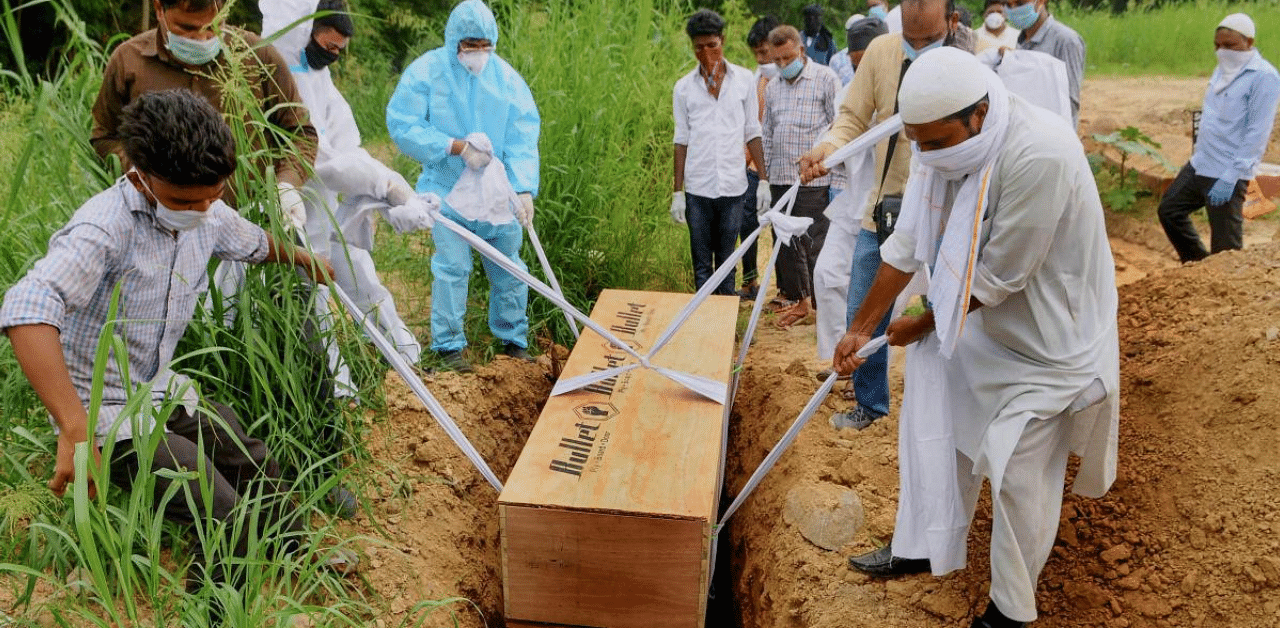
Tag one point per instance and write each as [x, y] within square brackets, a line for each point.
[713, 235]
[749, 224]
[1186, 195]
[234, 465]
[796, 260]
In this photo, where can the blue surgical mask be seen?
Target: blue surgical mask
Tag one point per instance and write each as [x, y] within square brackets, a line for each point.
[193, 51]
[1023, 16]
[877, 12]
[912, 53]
[793, 69]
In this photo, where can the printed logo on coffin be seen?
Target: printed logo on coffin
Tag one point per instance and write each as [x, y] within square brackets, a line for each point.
[596, 411]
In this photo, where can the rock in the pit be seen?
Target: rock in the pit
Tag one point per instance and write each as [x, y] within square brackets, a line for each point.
[827, 515]
[1084, 595]
[1116, 554]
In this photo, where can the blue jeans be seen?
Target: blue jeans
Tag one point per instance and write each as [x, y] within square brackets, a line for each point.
[749, 224]
[451, 268]
[713, 235]
[871, 380]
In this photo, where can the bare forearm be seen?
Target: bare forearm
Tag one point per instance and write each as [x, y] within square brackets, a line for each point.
[681, 154]
[888, 284]
[318, 269]
[756, 148]
[39, 352]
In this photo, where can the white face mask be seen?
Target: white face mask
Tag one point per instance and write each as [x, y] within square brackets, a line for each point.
[173, 219]
[994, 21]
[1233, 60]
[955, 162]
[1230, 64]
[474, 60]
[768, 70]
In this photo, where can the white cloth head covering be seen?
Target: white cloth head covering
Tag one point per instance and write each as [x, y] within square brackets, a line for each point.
[952, 250]
[939, 83]
[1239, 23]
[853, 19]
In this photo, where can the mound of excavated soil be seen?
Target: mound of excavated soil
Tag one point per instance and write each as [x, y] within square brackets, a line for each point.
[1188, 536]
[436, 515]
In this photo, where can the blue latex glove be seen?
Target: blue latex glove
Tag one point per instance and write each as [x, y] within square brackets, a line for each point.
[1221, 192]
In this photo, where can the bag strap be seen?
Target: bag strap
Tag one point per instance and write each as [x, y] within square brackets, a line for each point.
[893, 139]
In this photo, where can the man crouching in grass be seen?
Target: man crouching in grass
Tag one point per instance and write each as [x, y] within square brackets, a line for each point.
[151, 236]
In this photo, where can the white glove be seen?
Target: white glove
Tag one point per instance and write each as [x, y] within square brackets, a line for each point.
[764, 198]
[292, 209]
[477, 151]
[678, 208]
[399, 192]
[524, 209]
[414, 215]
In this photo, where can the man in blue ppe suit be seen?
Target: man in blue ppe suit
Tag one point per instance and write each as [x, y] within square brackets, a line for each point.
[456, 107]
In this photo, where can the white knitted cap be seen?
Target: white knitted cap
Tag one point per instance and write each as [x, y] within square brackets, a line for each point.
[939, 83]
[1239, 23]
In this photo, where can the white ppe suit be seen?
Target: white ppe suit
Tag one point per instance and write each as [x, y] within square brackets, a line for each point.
[348, 186]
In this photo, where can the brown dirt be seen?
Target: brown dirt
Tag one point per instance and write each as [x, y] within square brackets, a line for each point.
[435, 516]
[1159, 106]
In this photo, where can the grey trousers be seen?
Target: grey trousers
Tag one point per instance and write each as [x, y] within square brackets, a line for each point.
[235, 466]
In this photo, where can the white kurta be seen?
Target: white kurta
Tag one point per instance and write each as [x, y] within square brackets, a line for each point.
[1045, 341]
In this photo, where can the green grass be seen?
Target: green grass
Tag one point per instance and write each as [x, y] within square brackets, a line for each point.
[1172, 40]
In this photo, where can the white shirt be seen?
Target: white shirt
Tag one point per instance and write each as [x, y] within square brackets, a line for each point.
[714, 130]
[1008, 38]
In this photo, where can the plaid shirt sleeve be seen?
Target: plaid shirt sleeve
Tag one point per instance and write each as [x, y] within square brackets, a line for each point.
[66, 278]
[238, 239]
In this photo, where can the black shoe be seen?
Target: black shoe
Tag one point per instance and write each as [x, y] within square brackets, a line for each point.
[513, 350]
[883, 564]
[993, 618]
[454, 361]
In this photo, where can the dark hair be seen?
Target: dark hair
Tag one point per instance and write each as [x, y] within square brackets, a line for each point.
[783, 34]
[190, 5]
[704, 22]
[178, 136]
[759, 33]
[966, 17]
[860, 33]
[964, 114]
[988, 4]
[812, 9]
[339, 20]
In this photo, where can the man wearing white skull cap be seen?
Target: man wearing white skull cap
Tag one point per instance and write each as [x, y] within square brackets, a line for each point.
[1239, 111]
[1016, 364]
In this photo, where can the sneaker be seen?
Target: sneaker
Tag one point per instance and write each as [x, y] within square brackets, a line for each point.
[344, 502]
[513, 350]
[857, 418]
[749, 293]
[454, 361]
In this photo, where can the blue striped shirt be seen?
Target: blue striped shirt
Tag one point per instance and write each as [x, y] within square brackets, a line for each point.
[1235, 124]
[114, 240]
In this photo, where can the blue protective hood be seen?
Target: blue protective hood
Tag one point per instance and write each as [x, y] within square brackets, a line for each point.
[471, 19]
